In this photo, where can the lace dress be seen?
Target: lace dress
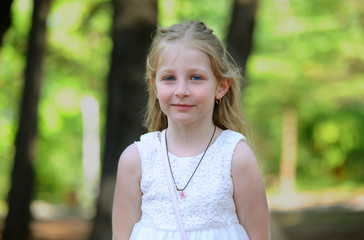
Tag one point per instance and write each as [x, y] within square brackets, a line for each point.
[207, 208]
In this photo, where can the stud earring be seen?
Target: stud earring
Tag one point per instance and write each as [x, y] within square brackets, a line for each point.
[218, 100]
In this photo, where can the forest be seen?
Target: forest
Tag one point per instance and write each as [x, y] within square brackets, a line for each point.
[72, 95]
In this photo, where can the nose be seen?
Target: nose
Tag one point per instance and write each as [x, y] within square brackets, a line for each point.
[182, 89]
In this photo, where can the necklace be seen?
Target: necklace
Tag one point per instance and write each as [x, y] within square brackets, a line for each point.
[170, 167]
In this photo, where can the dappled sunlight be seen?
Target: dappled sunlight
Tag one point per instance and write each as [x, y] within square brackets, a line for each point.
[44, 211]
[349, 199]
[70, 229]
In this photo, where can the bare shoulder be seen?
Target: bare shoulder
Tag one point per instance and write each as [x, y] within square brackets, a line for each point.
[130, 160]
[243, 157]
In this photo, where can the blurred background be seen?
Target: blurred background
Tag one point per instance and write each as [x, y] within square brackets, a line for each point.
[72, 95]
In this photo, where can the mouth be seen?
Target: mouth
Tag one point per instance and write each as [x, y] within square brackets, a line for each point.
[182, 106]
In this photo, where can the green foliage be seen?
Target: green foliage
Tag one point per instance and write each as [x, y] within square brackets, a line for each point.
[76, 65]
[11, 80]
[337, 145]
[308, 54]
[215, 14]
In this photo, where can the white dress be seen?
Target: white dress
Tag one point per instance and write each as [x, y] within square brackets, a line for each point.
[207, 208]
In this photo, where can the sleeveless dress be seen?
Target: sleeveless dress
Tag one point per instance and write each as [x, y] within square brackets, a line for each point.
[207, 208]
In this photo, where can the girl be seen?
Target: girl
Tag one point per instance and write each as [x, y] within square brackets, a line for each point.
[193, 176]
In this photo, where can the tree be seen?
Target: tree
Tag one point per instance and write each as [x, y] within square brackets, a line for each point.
[133, 24]
[20, 195]
[240, 35]
[288, 163]
[5, 18]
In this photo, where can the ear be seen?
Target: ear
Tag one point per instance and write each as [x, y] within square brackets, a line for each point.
[222, 88]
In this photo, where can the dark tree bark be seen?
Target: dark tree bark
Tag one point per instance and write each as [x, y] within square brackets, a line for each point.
[5, 18]
[240, 36]
[133, 24]
[20, 195]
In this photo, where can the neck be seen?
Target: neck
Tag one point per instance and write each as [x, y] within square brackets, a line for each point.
[186, 141]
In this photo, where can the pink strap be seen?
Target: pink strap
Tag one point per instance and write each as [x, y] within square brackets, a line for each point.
[172, 189]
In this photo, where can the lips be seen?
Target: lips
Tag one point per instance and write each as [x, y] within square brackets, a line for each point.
[182, 106]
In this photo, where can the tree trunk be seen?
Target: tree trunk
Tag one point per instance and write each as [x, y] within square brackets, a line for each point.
[240, 36]
[5, 18]
[133, 24]
[20, 195]
[289, 151]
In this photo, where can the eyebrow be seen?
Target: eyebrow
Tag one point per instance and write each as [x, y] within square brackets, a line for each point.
[193, 69]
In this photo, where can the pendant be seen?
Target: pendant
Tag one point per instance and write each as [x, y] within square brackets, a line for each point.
[182, 194]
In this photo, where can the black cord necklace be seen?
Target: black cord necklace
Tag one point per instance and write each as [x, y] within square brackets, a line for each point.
[170, 167]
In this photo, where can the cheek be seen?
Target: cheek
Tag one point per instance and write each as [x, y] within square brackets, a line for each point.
[206, 95]
[157, 90]
[161, 93]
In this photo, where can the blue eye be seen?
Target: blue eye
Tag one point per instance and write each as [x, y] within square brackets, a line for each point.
[195, 77]
[170, 78]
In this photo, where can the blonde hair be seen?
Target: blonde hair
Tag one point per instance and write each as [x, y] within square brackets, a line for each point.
[228, 114]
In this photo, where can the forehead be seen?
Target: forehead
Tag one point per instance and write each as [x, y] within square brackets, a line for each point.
[179, 50]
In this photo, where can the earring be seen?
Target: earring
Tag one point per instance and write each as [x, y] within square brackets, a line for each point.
[218, 100]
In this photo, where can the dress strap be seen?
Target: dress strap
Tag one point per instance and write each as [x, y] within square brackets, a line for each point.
[172, 189]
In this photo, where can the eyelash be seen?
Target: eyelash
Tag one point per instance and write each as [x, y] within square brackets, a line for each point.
[199, 77]
[168, 78]
[193, 77]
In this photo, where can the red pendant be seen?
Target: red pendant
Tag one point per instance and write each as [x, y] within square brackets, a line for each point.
[182, 194]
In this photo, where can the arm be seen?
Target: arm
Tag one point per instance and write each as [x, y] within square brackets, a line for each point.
[127, 197]
[249, 193]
